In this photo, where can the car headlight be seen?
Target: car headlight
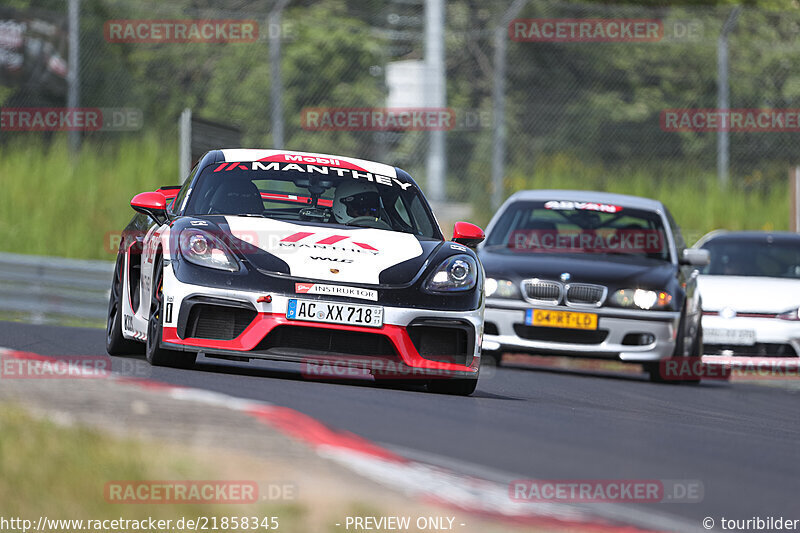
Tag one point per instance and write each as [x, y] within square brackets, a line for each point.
[641, 299]
[501, 288]
[204, 249]
[457, 273]
[791, 314]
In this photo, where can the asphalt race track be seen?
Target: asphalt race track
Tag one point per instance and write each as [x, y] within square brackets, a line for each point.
[741, 440]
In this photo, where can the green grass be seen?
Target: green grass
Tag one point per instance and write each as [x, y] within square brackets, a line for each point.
[53, 202]
[60, 472]
[696, 200]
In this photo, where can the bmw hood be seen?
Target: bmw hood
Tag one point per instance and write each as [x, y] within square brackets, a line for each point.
[749, 293]
[612, 271]
[331, 253]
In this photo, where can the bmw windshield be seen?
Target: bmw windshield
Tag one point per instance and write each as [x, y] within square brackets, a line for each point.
[565, 227]
[312, 193]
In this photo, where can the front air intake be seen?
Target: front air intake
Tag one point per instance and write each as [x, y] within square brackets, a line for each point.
[218, 322]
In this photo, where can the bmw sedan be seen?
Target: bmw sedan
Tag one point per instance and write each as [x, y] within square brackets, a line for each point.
[590, 274]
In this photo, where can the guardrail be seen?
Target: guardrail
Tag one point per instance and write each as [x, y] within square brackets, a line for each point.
[45, 286]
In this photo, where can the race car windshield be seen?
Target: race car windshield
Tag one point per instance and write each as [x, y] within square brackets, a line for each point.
[557, 227]
[321, 194]
[747, 258]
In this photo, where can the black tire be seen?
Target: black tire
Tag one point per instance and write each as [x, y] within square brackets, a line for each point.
[116, 344]
[654, 372]
[696, 351]
[697, 345]
[156, 355]
[455, 386]
[654, 369]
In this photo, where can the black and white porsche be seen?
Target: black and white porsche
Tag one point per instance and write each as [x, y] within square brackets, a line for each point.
[308, 258]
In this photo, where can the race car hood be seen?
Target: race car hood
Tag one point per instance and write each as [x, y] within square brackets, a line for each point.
[612, 271]
[339, 254]
[749, 293]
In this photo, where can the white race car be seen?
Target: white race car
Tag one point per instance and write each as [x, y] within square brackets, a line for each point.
[308, 258]
[751, 293]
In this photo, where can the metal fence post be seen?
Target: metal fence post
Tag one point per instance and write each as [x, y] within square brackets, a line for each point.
[723, 97]
[499, 102]
[276, 82]
[436, 168]
[73, 66]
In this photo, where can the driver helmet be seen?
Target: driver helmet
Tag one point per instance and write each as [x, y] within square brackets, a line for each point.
[354, 199]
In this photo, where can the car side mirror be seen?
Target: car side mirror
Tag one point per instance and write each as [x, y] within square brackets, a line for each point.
[467, 234]
[695, 257]
[152, 204]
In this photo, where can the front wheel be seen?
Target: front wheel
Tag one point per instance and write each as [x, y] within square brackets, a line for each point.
[655, 369]
[156, 355]
[116, 343]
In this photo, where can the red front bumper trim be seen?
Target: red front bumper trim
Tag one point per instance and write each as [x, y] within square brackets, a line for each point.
[261, 326]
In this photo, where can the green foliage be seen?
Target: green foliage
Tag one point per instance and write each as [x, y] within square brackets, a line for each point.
[580, 115]
[61, 472]
[61, 204]
[697, 201]
[71, 205]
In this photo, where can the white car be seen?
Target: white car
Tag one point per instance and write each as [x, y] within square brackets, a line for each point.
[307, 258]
[751, 293]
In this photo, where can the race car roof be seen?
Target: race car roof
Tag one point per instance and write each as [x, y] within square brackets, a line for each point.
[624, 200]
[249, 155]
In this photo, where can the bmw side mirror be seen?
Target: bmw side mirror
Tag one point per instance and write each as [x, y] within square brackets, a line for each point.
[152, 204]
[695, 257]
[467, 234]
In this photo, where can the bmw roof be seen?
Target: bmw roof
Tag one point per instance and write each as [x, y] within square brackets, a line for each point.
[624, 200]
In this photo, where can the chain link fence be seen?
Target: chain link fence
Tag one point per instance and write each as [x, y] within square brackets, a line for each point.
[578, 110]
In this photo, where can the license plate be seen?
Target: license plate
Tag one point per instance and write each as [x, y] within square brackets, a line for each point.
[335, 313]
[560, 319]
[739, 337]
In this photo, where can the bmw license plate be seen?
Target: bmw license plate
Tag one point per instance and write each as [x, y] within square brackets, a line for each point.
[335, 313]
[560, 319]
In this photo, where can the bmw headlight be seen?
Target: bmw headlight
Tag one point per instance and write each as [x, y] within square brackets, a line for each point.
[457, 273]
[641, 299]
[501, 288]
[204, 249]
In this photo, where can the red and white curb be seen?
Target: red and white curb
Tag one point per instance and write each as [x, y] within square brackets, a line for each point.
[422, 481]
